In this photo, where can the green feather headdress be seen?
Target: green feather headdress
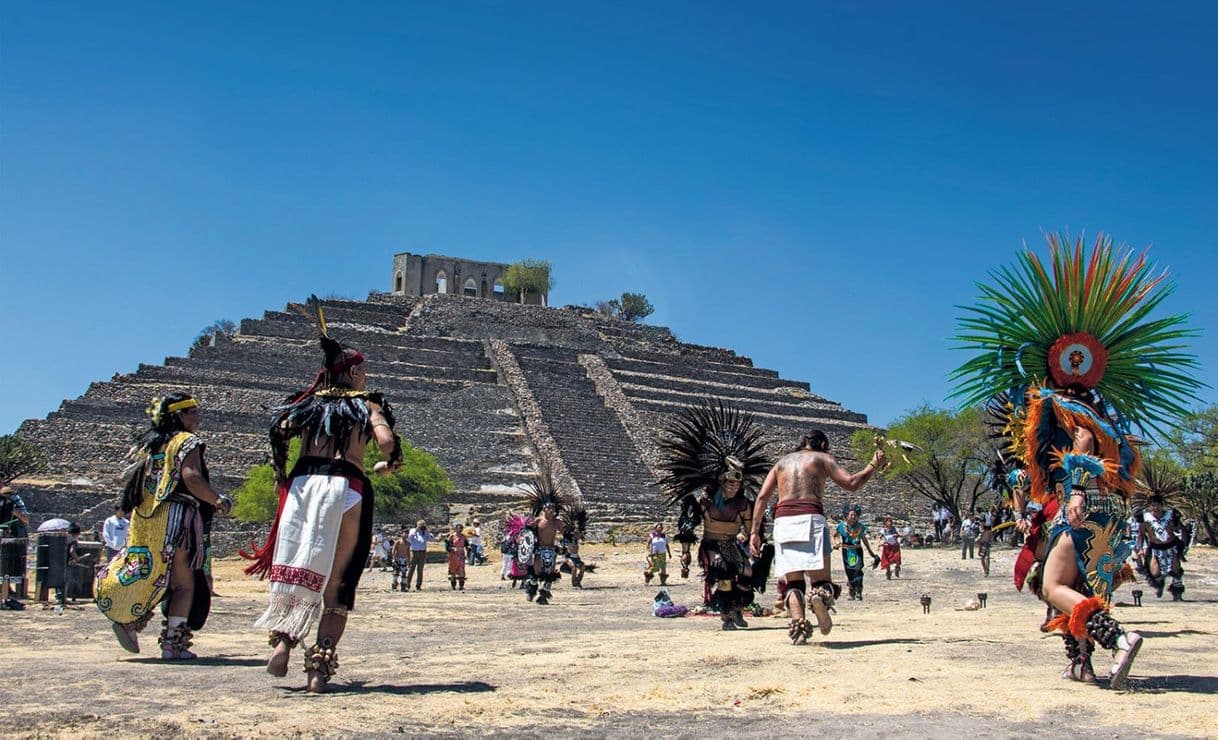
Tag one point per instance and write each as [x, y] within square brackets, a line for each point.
[1083, 321]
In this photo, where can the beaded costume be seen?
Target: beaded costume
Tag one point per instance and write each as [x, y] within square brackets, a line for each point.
[136, 580]
[540, 561]
[1163, 537]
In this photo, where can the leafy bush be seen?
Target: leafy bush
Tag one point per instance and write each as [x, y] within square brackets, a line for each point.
[419, 482]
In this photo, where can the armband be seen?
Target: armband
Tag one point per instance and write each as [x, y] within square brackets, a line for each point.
[1081, 468]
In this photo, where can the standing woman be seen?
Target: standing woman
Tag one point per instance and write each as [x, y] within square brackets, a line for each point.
[317, 547]
[166, 485]
[852, 538]
[658, 553]
[890, 550]
[455, 544]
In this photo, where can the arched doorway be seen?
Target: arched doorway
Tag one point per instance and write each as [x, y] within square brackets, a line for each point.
[470, 288]
[397, 283]
[497, 289]
[441, 282]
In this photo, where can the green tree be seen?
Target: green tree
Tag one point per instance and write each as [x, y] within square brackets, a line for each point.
[222, 327]
[634, 307]
[630, 307]
[19, 457]
[1195, 441]
[1194, 446]
[419, 482]
[951, 467]
[1200, 501]
[528, 276]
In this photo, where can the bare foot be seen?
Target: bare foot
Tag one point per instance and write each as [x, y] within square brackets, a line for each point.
[317, 682]
[277, 666]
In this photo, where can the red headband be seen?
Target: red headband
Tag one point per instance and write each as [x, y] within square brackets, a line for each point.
[347, 363]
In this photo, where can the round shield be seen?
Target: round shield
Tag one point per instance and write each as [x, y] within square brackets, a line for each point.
[1077, 360]
[526, 545]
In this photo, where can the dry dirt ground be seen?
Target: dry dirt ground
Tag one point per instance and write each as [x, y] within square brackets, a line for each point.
[595, 662]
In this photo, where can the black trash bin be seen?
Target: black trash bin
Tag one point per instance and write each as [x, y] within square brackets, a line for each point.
[50, 563]
[13, 559]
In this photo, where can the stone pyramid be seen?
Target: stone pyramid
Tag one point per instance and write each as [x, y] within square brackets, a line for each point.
[493, 389]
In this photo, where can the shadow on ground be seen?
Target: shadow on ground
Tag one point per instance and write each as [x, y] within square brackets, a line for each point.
[846, 645]
[1171, 633]
[210, 661]
[1175, 684]
[362, 687]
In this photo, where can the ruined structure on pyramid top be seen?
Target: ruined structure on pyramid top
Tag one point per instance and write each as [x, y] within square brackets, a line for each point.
[494, 389]
[437, 274]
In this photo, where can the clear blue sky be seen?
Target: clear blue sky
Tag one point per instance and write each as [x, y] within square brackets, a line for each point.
[815, 185]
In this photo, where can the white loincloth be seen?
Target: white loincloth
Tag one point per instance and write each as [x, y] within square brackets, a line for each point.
[798, 554]
[304, 552]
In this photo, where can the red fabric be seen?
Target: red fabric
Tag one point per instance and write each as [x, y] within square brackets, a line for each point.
[298, 577]
[347, 363]
[262, 555]
[1027, 555]
[798, 507]
[890, 555]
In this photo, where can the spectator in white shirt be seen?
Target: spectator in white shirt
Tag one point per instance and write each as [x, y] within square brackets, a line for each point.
[114, 533]
[418, 539]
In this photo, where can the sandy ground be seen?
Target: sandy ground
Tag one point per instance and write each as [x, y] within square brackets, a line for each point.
[595, 662]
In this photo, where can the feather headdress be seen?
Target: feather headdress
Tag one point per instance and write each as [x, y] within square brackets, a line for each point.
[1159, 480]
[543, 492]
[703, 442]
[1082, 322]
[575, 520]
[337, 358]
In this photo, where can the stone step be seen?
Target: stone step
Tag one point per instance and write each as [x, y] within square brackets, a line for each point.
[292, 327]
[591, 439]
[694, 354]
[186, 373]
[696, 385]
[775, 406]
[806, 420]
[681, 371]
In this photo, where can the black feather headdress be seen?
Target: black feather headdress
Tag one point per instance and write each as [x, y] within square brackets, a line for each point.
[1158, 480]
[544, 492]
[575, 520]
[703, 442]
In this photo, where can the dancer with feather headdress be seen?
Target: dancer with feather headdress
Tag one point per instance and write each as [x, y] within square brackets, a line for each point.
[1163, 537]
[322, 532]
[574, 529]
[537, 537]
[714, 463]
[1072, 347]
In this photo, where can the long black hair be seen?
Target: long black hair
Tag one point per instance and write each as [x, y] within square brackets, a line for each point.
[815, 440]
[165, 424]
